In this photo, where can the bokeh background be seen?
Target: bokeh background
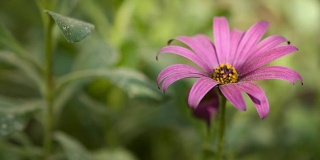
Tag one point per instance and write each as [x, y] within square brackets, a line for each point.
[121, 118]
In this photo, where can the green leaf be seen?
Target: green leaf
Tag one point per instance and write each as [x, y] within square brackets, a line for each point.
[10, 123]
[134, 83]
[9, 42]
[14, 114]
[96, 53]
[65, 94]
[25, 150]
[23, 66]
[114, 154]
[122, 21]
[72, 148]
[73, 30]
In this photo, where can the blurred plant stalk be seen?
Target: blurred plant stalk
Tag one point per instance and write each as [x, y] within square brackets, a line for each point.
[48, 76]
[222, 112]
[49, 90]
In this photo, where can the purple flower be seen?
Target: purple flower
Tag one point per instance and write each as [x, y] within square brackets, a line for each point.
[232, 63]
[208, 107]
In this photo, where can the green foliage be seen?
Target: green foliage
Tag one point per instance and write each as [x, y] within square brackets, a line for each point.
[116, 154]
[8, 41]
[132, 82]
[23, 66]
[106, 103]
[72, 148]
[14, 114]
[73, 30]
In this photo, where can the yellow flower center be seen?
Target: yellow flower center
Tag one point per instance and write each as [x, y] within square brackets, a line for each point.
[225, 74]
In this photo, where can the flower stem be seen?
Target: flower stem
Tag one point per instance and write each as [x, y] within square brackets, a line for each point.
[47, 141]
[48, 93]
[222, 110]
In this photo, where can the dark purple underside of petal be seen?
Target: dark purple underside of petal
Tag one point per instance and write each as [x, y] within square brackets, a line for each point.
[233, 94]
[257, 96]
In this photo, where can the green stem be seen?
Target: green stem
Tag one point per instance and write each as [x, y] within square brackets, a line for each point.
[48, 76]
[47, 142]
[222, 110]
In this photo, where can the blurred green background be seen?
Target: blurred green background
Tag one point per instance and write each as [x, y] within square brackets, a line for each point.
[123, 115]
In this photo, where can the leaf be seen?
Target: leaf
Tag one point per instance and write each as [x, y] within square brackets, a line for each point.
[9, 42]
[25, 150]
[96, 53]
[14, 115]
[114, 154]
[72, 148]
[65, 94]
[134, 83]
[23, 66]
[122, 21]
[73, 30]
[10, 123]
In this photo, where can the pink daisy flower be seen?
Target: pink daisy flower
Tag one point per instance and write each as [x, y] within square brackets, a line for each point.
[231, 63]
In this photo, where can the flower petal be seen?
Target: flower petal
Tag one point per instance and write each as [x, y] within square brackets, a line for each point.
[177, 76]
[257, 96]
[198, 48]
[233, 94]
[273, 72]
[248, 42]
[199, 90]
[235, 38]
[267, 44]
[177, 69]
[266, 58]
[221, 33]
[208, 48]
[184, 52]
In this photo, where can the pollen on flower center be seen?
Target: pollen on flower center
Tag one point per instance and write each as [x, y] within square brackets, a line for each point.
[225, 74]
